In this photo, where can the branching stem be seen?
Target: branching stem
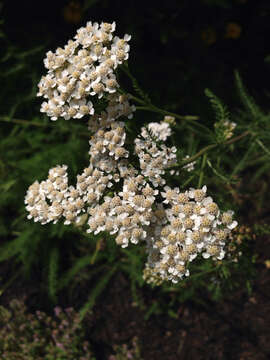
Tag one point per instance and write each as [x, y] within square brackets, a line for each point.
[147, 105]
[163, 112]
[33, 123]
[210, 147]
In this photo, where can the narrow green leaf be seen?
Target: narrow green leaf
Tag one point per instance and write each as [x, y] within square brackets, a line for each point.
[221, 176]
[221, 111]
[246, 99]
[79, 265]
[8, 185]
[52, 275]
[96, 292]
[241, 164]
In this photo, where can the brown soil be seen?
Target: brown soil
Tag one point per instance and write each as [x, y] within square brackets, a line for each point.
[236, 328]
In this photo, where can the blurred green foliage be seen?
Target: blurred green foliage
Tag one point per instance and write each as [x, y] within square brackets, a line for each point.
[40, 336]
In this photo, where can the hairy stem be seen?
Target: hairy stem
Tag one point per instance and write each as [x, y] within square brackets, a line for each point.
[163, 112]
[210, 147]
[147, 105]
[22, 122]
[202, 170]
[33, 123]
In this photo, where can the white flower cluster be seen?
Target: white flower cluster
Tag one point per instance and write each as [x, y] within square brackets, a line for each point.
[229, 128]
[106, 145]
[127, 213]
[170, 120]
[150, 276]
[53, 198]
[155, 158]
[130, 201]
[190, 224]
[175, 230]
[226, 128]
[160, 130]
[82, 69]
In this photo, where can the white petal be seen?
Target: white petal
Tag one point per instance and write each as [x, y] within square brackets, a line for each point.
[232, 225]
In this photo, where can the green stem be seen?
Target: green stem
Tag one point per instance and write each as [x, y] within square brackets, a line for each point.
[187, 182]
[22, 122]
[98, 245]
[149, 107]
[242, 162]
[210, 147]
[135, 98]
[262, 146]
[164, 112]
[231, 141]
[146, 104]
[196, 156]
[202, 170]
[258, 159]
[33, 123]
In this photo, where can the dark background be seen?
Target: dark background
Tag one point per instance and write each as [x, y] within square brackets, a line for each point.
[178, 47]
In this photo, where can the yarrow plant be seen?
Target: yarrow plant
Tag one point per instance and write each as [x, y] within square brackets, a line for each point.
[125, 189]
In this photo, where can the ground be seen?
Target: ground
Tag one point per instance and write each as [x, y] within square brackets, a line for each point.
[238, 327]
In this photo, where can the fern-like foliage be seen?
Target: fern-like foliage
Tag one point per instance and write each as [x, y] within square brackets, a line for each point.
[221, 112]
[247, 100]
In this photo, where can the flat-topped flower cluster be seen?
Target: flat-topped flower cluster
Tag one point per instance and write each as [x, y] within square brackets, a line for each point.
[82, 69]
[187, 223]
[130, 201]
